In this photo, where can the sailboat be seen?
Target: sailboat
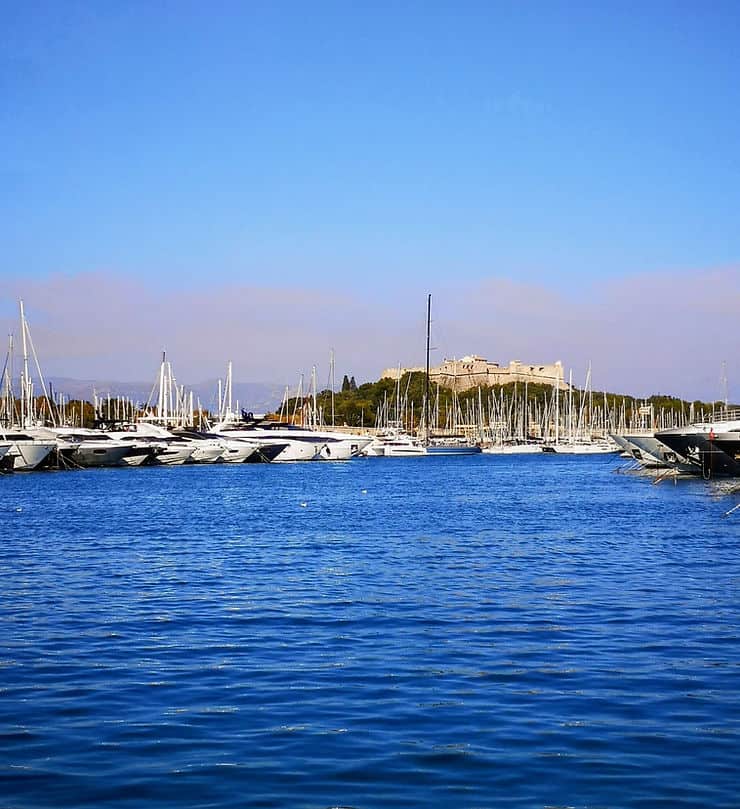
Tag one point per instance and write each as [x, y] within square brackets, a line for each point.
[30, 444]
[579, 441]
[297, 443]
[441, 445]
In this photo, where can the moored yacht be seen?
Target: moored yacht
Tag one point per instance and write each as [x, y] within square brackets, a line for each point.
[452, 445]
[26, 452]
[403, 445]
[342, 446]
[712, 449]
[166, 448]
[91, 448]
[583, 447]
[297, 445]
[329, 445]
[514, 448]
[651, 452]
[232, 450]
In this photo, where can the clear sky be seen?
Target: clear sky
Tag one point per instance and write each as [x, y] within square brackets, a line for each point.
[262, 182]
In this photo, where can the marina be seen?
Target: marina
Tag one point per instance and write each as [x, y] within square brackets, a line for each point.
[38, 432]
[369, 406]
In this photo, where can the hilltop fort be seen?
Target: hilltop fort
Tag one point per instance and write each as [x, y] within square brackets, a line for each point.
[471, 371]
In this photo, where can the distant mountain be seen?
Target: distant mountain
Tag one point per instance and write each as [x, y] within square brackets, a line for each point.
[257, 397]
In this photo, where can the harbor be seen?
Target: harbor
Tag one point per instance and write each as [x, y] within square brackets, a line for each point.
[40, 431]
[370, 406]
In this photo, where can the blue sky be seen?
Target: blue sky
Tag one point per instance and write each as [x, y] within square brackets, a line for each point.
[385, 150]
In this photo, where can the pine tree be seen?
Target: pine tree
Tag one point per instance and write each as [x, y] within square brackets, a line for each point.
[345, 384]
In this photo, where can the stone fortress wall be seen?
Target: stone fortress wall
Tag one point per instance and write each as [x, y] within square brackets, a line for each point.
[471, 371]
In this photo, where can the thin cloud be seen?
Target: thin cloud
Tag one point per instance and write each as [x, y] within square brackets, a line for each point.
[653, 332]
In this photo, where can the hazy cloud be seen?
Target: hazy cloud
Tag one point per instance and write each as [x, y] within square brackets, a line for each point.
[662, 332]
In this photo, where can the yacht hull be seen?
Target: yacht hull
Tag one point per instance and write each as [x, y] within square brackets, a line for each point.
[93, 455]
[710, 454]
[513, 449]
[25, 456]
[453, 450]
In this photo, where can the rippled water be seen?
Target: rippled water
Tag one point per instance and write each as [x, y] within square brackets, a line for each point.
[430, 632]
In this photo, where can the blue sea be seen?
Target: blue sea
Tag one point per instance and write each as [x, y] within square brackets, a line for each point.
[424, 632]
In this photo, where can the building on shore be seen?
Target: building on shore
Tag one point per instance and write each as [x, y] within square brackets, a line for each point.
[472, 371]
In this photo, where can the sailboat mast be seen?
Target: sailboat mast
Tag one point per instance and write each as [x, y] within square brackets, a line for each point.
[228, 394]
[332, 387]
[557, 407]
[426, 383]
[161, 399]
[25, 382]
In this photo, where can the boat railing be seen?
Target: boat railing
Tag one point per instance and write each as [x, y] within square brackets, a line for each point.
[720, 416]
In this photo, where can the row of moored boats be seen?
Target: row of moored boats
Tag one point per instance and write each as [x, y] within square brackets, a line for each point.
[708, 450]
[140, 443]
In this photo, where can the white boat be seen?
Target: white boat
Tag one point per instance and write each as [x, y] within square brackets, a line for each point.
[206, 449]
[320, 444]
[230, 450]
[626, 448]
[376, 448]
[649, 451]
[452, 445]
[711, 448]
[523, 448]
[602, 447]
[341, 446]
[89, 448]
[26, 452]
[236, 450]
[166, 448]
[293, 449]
[301, 443]
[440, 445]
[393, 442]
[403, 445]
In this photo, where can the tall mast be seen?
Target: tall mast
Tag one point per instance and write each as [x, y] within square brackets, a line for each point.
[332, 387]
[229, 388]
[161, 399]
[570, 406]
[25, 381]
[557, 406]
[426, 384]
[314, 418]
[8, 408]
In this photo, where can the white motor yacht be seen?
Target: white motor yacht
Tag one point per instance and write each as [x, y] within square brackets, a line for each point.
[581, 448]
[223, 450]
[403, 445]
[237, 450]
[297, 447]
[168, 449]
[393, 443]
[523, 448]
[341, 446]
[90, 448]
[26, 452]
[711, 448]
[234, 450]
